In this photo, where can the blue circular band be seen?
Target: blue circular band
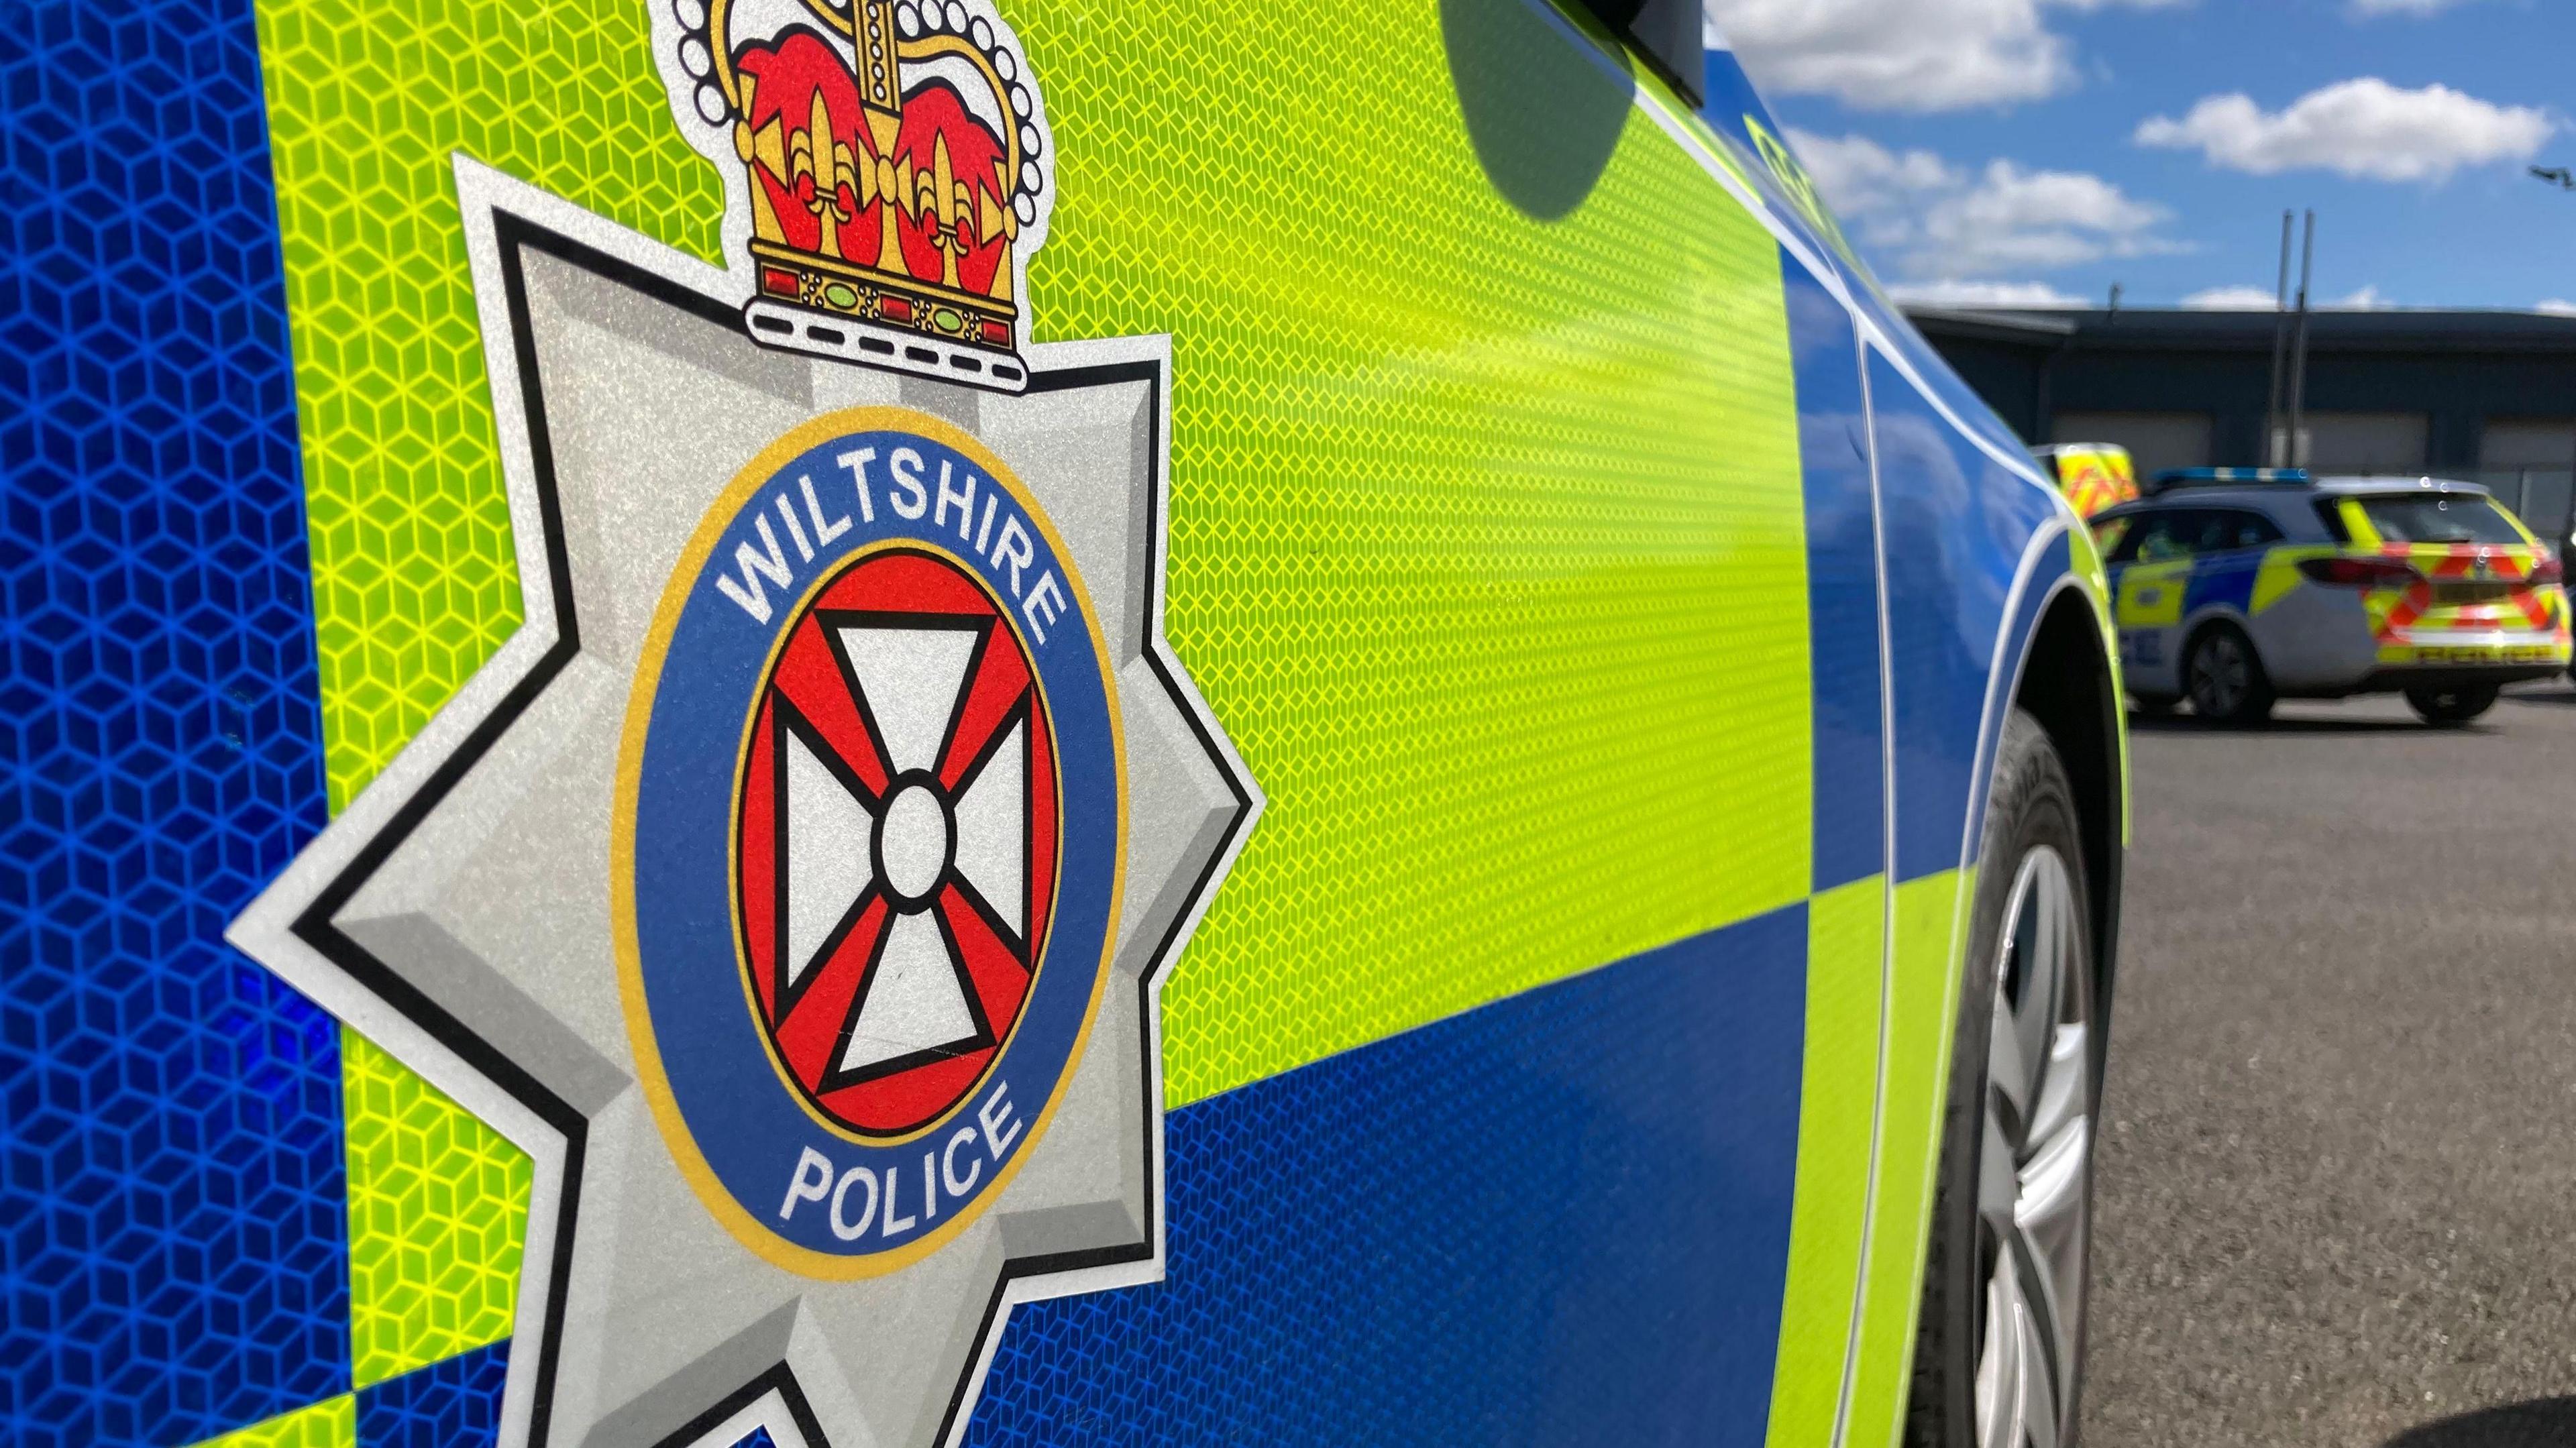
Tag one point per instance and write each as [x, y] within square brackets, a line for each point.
[807, 1183]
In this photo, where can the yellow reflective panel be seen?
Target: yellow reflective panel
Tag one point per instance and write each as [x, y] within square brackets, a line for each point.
[1486, 524]
[438, 1212]
[414, 582]
[1486, 515]
[1838, 1096]
[1922, 1014]
[2278, 575]
[2151, 594]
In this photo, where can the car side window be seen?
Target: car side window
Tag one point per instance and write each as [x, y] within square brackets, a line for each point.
[2161, 537]
[2246, 529]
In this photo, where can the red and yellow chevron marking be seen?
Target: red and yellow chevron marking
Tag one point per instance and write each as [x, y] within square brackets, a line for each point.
[2413, 625]
[2095, 478]
[2522, 606]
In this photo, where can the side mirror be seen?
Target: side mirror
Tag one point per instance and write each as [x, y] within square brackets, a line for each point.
[1668, 33]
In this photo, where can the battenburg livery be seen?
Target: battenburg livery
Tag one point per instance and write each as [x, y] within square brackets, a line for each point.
[821, 723]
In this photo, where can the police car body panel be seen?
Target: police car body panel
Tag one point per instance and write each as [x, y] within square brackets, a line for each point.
[2322, 579]
[894, 732]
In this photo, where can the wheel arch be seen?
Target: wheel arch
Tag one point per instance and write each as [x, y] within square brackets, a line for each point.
[2197, 626]
[2069, 684]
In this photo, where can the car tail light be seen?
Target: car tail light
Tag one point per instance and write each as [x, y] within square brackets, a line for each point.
[2547, 570]
[2360, 572]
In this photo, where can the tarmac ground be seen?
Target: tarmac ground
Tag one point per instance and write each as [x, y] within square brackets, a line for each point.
[2336, 1194]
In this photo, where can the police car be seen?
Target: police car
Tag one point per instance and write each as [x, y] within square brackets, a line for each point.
[2239, 587]
[2093, 475]
[998, 722]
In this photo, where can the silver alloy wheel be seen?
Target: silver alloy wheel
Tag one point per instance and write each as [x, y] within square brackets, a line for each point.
[2220, 675]
[2033, 1189]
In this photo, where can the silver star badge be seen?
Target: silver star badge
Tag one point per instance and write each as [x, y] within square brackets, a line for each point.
[488, 908]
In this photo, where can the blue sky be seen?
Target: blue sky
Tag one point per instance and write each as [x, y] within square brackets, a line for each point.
[2033, 150]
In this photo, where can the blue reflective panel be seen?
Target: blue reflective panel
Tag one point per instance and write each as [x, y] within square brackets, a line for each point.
[1842, 585]
[1561, 1218]
[172, 1230]
[2225, 579]
[1957, 524]
[2056, 564]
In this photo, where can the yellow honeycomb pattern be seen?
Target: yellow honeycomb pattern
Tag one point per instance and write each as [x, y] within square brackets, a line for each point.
[438, 1213]
[1486, 527]
[413, 579]
[331, 1423]
[1486, 530]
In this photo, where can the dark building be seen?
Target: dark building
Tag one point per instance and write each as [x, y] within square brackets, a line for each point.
[2485, 395]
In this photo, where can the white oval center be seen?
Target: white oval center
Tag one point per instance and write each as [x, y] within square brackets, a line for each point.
[912, 839]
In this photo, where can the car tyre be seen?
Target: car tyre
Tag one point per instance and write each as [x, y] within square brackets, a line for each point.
[1999, 1350]
[2225, 678]
[2449, 708]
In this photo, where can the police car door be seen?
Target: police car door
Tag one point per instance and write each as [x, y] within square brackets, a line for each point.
[2150, 575]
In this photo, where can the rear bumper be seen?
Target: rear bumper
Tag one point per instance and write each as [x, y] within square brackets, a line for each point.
[2327, 648]
[2453, 676]
[2435, 661]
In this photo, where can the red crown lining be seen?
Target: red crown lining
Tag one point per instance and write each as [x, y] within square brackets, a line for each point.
[784, 82]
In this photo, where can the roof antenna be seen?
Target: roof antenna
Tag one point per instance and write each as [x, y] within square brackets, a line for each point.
[2298, 450]
[2276, 445]
[2115, 299]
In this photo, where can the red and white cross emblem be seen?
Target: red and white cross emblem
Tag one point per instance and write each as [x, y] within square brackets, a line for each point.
[896, 848]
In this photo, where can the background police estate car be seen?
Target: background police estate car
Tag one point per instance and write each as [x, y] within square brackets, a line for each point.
[2238, 587]
[1688, 724]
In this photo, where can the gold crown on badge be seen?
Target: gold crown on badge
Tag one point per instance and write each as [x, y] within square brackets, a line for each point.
[897, 162]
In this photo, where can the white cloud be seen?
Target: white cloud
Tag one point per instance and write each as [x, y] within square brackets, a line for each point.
[2232, 299]
[2255, 299]
[2365, 128]
[2013, 219]
[2556, 307]
[1983, 294]
[1861, 177]
[2369, 9]
[1907, 55]
[1935, 220]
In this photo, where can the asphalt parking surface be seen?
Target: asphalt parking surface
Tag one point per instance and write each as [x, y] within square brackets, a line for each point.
[2336, 1194]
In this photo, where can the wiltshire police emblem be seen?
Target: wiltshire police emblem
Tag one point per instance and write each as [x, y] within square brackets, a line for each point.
[911, 870]
[796, 885]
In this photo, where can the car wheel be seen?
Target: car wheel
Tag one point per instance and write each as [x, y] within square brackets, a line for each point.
[1999, 1354]
[2226, 679]
[2445, 707]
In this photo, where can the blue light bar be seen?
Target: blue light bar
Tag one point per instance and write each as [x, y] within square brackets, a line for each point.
[2212, 477]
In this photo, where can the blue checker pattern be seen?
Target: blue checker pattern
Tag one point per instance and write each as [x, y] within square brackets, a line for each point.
[452, 1403]
[1560, 1218]
[1956, 526]
[1842, 584]
[171, 1204]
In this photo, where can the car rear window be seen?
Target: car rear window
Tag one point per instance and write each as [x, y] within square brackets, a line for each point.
[2438, 518]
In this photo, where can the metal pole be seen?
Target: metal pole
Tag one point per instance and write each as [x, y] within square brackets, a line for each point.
[2299, 345]
[2275, 451]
